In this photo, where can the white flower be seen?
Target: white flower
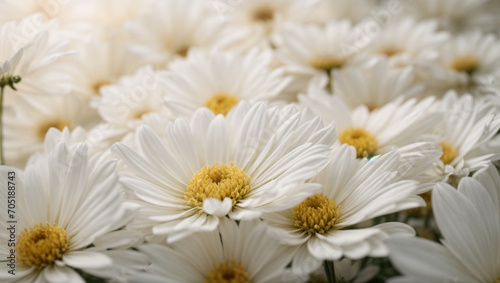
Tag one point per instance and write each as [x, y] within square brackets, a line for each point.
[469, 123]
[98, 63]
[26, 126]
[253, 160]
[170, 30]
[469, 220]
[124, 106]
[401, 126]
[404, 42]
[254, 22]
[466, 63]
[232, 253]
[219, 80]
[456, 15]
[30, 49]
[354, 190]
[311, 49]
[70, 200]
[375, 84]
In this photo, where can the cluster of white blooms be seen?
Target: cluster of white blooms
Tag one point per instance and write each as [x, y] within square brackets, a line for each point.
[249, 141]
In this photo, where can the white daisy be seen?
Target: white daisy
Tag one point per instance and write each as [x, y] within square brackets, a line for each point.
[124, 106]
[456, 15]
[466, 62]
[30, 51]
[98, 63]
[63, 202]
[255, 22]
[232, 253]
[375, 85]
[354, 190]
[468, 124]
[310, 49]
[469, 220]
[253, 160]
[170, 30]
[26, 126]
[401, 126]
[219, 80]
[403, 42]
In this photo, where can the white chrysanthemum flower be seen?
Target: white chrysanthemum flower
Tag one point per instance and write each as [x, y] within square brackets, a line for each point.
[66, 199]
[469, 220]
[29, 50]
[99, 63]
[466, 62]
[256, 21]
[232, 253]
[219, 80]
[25, 128]
[469, 123]
[456, 15]
[375, 85]
[253, 160]
[172, 28]
[398, 125]
[354, 190]
[310, 49]
[405, 42]
[125, 105]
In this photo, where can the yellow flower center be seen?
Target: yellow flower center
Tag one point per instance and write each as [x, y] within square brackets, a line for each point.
[97, 86]
[316, 214]
[138, 115]
[364, 142]
[217, 182]
[228, 272]
[41, 245]
[327, 64]
[468, 64]
[44, 127]
[449, 152]
[183, 51]
[390, 51]
[221, 103]
[263, 14]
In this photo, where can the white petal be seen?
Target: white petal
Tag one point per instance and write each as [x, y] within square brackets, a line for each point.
[217, 208]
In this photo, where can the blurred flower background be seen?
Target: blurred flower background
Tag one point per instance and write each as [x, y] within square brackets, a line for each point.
[250, 141]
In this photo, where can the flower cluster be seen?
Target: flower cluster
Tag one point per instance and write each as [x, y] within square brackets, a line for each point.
[249, 141]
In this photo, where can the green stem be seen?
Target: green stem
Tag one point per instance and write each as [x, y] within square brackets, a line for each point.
[330, 271]
[2, 161]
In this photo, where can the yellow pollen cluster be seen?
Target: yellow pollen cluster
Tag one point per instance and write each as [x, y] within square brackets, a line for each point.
[183, 51]
[390, 51]
[41, 245]
[228, 272]
[221, 103]
[97, 86]
[138, 115]
[217, 182]
[327, 64]
[364, 142]
[449, 153]
[44, 127]
[468, 64]
[316, 214]
[264, 14]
